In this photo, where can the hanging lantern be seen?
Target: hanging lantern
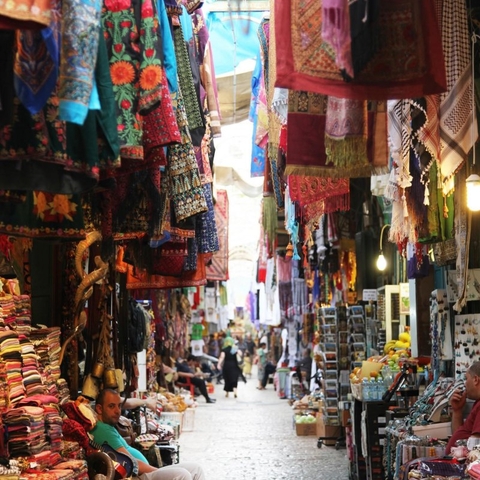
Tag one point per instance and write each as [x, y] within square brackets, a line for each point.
[473, 192]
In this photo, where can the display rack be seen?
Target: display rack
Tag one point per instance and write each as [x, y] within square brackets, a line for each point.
[330, 363]
[357, 330]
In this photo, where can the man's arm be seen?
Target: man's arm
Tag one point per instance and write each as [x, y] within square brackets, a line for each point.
[457, 402]
[142, 466]
[131, 403]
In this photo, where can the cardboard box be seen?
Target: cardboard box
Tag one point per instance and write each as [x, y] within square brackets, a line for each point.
[305, 429]
[328, 433]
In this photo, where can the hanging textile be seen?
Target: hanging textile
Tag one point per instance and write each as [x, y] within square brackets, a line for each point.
[463, 230]
[458, 122]
[135, 67]
[80, 35]
[206, 236]
[36, 62]
[268, 43]
[346, 132]
[336, 31]
[207, 71]
[139, 279]
[185, 187]
[25, 14]
[408, 30]
[185, 78]
[44, 215]
[169, 59]
[306, 149]
[218, 269]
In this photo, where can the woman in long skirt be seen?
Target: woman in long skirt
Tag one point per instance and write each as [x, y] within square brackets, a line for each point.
[228, 363]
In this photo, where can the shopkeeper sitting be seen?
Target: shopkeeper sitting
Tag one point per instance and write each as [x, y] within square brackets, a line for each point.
[186, 369]
[463, 430]
[109, 408]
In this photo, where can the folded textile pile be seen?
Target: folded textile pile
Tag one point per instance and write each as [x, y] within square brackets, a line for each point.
[25, 427]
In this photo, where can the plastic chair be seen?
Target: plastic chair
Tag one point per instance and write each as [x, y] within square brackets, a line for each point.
[188, 385]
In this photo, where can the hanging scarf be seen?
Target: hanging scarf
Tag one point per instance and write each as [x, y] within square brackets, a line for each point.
[458, 123]
[346, 132]
[36, 63]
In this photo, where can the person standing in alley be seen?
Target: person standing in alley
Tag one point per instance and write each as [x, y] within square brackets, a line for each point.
[247, 364]
[228, 364]
[261, 361]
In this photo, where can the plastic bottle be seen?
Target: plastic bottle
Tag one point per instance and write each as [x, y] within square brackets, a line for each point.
[380, 388]
[373, 390]
[365, 390]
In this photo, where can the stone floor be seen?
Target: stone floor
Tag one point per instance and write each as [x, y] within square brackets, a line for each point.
[252, 437]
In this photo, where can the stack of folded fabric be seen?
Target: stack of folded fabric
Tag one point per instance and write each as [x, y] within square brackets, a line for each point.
[53, 419]
[25, 427]
[32, 380]
[79, 468]
[63, 391]
[47, 346]
[10, 369]
[53, 426]
[72, 450]
[43, 461]
[7, 311]
[23, 313]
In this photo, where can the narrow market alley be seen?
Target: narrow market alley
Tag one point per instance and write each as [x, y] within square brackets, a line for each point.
[252, 437]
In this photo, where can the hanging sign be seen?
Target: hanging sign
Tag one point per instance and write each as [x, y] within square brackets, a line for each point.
[369, 294]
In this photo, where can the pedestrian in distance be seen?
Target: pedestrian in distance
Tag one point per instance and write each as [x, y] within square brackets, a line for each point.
[228, 363]
[261, 361]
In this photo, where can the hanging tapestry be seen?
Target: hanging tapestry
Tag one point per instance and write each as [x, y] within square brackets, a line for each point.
[44, 215]
[139, 279]
[306, 150]
[218, 269]
[408, 30]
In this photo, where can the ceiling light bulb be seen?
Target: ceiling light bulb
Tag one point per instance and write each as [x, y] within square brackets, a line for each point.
[381, 262]
[473, 192]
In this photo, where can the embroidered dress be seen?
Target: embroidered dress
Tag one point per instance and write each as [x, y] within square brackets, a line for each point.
[131, 31]
[186, 81]
[186, 191]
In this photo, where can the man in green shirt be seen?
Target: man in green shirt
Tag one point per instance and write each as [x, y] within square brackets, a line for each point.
[109, 408]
